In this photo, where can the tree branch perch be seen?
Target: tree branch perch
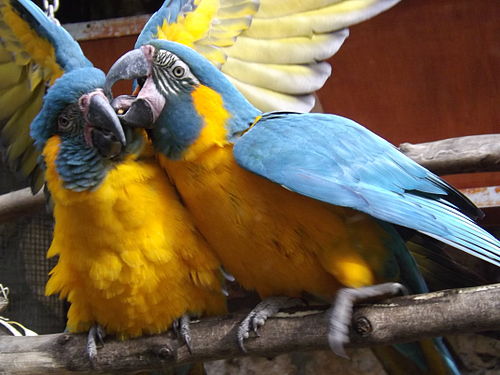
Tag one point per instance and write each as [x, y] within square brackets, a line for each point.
[20, 203]
[397, 320]
[476, 153]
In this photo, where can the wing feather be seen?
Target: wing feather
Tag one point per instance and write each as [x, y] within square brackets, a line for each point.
[291, 35]
[337, 161]
[34, 52]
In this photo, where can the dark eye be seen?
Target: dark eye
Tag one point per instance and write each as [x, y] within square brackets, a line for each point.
[63, 123]
[141, 81]
[178, 71]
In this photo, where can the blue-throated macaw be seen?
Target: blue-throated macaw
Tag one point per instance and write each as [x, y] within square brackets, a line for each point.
[130, 260]
[293, 202]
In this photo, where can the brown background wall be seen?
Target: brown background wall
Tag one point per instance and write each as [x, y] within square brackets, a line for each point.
[425, 70]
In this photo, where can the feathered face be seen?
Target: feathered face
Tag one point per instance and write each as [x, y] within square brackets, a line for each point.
[172, 75]
[162, 76]
[76, 108]
[93, 121]
[77, 111]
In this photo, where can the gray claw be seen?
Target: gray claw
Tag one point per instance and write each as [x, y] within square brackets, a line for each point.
[183, 332]
[340, 315]
[258, 316]
[96, 334]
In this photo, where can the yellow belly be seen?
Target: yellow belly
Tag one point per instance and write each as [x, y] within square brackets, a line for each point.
[271, 239]
[129, 257]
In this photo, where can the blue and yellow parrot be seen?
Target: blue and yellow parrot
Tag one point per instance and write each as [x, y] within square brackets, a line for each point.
[294, 202]
[130, 261]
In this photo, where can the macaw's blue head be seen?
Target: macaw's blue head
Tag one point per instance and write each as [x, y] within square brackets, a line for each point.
[181, 94]
[76, 111]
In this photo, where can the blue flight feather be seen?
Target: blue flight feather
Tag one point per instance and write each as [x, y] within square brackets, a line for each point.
[68, 52]
[334, 159]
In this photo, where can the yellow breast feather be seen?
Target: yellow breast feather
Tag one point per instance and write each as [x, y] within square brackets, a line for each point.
[308, 245]
[129, 257]
[210, 107]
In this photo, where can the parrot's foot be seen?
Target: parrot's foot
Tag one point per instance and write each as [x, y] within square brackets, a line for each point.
[258, 316]
[340, 314]
[182, 330]
[96, 334]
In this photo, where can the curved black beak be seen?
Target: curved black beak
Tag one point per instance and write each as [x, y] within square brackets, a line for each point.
[143, 110]
[134, 64]
[102, 116]
[134, 112]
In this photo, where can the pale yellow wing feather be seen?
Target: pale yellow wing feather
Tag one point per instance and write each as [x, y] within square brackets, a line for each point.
[289, 79]
[295, 50]
[267, 100]
[260, 42]
[275, 52]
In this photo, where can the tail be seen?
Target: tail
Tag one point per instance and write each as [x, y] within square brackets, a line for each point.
[429, 356]
[441, 271]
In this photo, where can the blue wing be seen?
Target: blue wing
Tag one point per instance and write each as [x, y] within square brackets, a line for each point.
[335, 160]
[34, 52]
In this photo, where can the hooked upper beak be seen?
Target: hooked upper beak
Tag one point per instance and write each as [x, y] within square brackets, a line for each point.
[103, 129]
[143, 110]
[134, 64]
[101, 115]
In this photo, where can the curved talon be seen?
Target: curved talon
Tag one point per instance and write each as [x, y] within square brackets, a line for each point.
[256, 319]
[340, 314]
[96, 334]
[182, 331]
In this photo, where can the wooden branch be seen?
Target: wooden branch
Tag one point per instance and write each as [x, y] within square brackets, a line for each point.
[397, 320]
[20, 203]
[476, 153]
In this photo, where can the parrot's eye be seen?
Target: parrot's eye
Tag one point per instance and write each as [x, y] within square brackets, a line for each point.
[178, 71]
[141, 81]
[63, 123]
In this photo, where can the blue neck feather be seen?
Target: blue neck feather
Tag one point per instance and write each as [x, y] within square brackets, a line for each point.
[81, 167]
[180, 127]
[243, 113]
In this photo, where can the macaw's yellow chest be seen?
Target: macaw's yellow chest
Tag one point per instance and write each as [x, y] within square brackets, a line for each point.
[271, 239]
[129, 256]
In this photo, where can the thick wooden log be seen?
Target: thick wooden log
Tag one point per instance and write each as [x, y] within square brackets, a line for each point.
[397, 320]
[476, 153]
[20, 203]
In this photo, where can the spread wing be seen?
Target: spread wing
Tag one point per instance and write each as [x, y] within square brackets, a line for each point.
[335, 160]
[272, 50]
[34, 52]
